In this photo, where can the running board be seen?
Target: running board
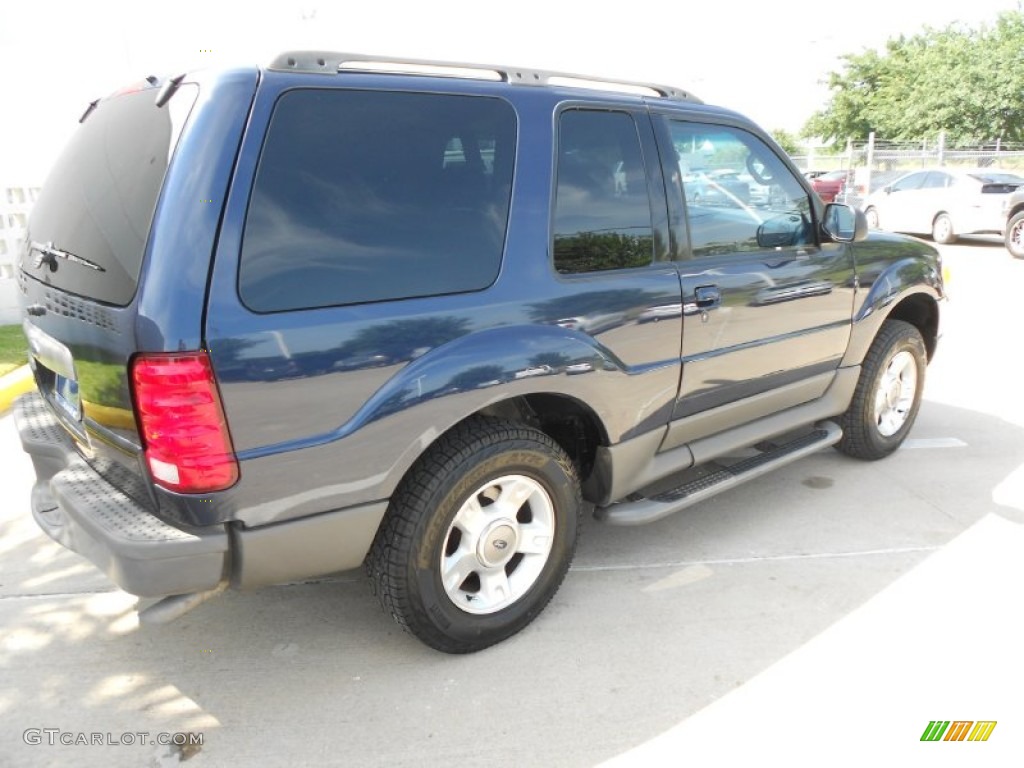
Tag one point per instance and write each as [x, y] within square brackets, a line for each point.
[647, 510]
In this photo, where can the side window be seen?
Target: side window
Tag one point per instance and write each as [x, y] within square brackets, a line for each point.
[913, 181]
[936, 180]
[602, 210]
[367, 196]
[739, 195]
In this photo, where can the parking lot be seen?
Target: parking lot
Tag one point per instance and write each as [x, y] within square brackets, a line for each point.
[822, 615]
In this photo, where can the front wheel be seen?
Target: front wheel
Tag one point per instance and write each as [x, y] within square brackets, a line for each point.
[1014, 237]
[888, 393]
[478, 536]
[942, 230]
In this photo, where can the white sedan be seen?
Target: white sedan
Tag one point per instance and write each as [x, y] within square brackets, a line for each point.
[944, 202]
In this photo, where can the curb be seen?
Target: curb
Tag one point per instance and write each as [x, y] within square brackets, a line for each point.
[13, 384]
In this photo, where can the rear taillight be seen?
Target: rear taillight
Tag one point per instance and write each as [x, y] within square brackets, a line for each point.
[184, 432]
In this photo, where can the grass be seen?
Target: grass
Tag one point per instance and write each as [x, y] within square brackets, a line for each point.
[105, 383]
[102, 383]
[13, 348]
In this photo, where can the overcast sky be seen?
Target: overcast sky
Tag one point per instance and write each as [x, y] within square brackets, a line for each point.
[764, 59]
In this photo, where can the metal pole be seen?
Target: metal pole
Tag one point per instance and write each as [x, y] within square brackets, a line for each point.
[870, 163]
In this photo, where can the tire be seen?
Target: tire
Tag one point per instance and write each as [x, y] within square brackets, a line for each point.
[942, 230]
[888, 394]
[478, 536]
[1014, 237]
[871, 214]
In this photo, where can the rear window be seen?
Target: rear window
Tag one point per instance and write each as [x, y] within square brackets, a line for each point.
[97, 204]
[998, 178]
[367, 196]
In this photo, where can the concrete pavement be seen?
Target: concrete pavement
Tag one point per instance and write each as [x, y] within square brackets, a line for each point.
[822, 615]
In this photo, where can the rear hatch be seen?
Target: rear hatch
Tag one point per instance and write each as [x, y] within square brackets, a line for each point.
[80, 268]
[996, 189]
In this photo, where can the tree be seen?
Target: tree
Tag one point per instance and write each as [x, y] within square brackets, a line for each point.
[788, 141]
[965, 82]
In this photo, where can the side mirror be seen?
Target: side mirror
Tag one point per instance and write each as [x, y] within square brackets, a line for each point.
[887, 189]
[780, 231]
[844, 224]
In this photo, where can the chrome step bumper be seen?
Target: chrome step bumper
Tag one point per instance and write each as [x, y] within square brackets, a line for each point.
[648, 509]
[81, 510]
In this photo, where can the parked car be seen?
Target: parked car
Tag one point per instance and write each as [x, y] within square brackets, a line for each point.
[865, 182]
[459, 330]
[944, 202]
[655, 314]
[831, 185]
[717, 187]
[1013, 235]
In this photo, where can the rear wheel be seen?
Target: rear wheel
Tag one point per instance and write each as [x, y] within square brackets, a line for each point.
[942, 229]
[1015, 235]
[478, 536]
[888, 393]
[871, 214]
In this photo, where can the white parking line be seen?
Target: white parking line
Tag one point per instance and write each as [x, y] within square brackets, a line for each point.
[747, 560]
[933, 442]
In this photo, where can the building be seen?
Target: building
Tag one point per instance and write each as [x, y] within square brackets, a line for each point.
[15, 206]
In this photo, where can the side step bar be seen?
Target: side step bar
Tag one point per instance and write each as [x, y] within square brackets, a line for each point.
[647, 510]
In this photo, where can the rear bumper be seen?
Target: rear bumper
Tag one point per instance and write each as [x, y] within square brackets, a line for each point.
[148, 557]
[79, 509]
[980, 220]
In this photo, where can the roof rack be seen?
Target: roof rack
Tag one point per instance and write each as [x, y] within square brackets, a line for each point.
[326, 62]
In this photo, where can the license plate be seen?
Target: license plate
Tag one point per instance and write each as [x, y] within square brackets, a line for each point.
[65, 393]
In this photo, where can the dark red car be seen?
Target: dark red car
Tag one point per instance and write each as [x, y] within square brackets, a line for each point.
[830, 185]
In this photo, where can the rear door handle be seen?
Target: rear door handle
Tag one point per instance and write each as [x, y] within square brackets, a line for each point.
[708, 296]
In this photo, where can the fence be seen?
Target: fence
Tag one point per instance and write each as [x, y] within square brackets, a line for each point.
[875, 163]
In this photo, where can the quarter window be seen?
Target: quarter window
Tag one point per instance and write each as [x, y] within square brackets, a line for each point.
[365, 196]
[602, 210]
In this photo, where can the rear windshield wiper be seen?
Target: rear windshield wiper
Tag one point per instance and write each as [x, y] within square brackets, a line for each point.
[47, 254]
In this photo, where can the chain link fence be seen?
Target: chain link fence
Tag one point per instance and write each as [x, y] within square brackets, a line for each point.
[874, 163]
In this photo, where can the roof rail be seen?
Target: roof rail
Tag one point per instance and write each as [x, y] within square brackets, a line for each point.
[326, 62]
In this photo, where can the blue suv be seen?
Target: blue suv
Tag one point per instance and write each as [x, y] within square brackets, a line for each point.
[417, 317]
